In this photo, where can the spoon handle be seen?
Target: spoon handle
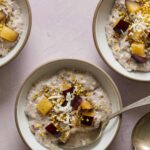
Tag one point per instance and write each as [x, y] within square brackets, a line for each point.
[142, 102]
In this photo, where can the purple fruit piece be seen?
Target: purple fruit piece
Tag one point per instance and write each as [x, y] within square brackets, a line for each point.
[148, 36]
[53, 130]
[64, 103]
[121, 26]
[76, 102]
[87, 120]
[70, 90]
[139, 59]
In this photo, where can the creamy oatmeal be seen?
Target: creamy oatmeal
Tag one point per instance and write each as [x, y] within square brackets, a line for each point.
[11, 25]
[66, 104]
[128, 34]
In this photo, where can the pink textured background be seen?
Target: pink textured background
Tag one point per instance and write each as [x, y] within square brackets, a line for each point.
[61, 29]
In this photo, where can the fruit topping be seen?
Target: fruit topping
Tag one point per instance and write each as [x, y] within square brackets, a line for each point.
[53, 130]
[2, 16]
[76, 102]
[44, 106]
[70, 90]
[139, 59]
[64, 137]
[86, 105]
[64, 103]
[121, 26]
[87, 120]
[138, 49]
[9, 34]
[132, 6]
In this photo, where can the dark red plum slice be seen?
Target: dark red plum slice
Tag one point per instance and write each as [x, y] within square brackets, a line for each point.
[87, 120]
[121, 26]
[53, 130]
[139, 59]
[64, 103]
[76, 102]
[70, 90]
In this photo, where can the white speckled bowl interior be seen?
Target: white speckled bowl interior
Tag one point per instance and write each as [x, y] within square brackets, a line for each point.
[26, 15]
[49, 69]
[100, 20]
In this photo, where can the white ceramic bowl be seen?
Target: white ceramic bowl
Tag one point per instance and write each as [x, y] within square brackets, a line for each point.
[27, 21]
[100, 20]
[49, 69]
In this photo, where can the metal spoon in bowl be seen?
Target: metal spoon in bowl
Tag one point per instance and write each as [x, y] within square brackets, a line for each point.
[141, 133]
[99, 131]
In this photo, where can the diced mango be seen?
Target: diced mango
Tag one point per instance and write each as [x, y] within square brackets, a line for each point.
[2, 16]
[88, 113]
[44, 106]
[138, 49]
[8, 34]
[66, 86]
[132, 6]
[64, 137]
[86, 105]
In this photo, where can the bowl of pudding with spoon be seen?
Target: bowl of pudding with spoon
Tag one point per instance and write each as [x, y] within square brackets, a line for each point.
[63, 104]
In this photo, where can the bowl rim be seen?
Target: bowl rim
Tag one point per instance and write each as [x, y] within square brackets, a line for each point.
[66, 59]
[26, 37]
[98, 48]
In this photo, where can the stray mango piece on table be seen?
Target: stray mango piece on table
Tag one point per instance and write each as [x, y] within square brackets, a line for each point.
[8, 34]
[44, 106]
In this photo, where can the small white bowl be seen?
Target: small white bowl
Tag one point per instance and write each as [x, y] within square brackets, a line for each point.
[100, 20]
[51, 68]
[27, 21]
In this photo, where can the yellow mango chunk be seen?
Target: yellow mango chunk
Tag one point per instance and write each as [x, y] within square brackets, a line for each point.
[8, 34]
[2, 16]
[138, 49]
[132, 6]
[86, 105]
[44, 106]
[88, 113]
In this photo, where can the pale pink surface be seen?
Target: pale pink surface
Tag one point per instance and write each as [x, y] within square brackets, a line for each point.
[61, 29]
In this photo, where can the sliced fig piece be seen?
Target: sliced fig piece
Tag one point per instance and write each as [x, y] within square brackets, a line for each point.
[53, 130]
[121, 26]
[132, 6]
[76, 102]
[87, 120]
[139, 59]
[70, 90]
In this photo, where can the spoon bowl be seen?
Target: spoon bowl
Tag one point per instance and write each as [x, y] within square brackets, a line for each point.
[140, 136]
[141, 133]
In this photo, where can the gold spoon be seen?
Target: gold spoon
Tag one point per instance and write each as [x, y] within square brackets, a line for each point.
[98, 132]
[141, 134]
